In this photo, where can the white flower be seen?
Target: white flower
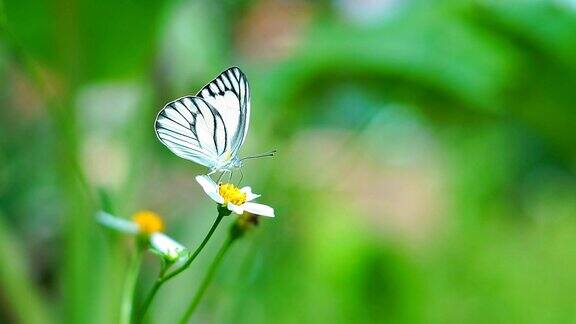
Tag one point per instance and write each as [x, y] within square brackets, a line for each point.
[149, 224]
[236, 200]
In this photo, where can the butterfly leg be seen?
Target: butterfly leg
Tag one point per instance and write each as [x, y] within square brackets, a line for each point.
[230, 176]
[241, 177]
[220, 177]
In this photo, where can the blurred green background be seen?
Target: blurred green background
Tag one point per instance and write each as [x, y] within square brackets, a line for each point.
[426, 167]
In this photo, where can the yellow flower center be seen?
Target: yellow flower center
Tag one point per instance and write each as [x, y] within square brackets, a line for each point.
[148, 222]
[231, 194]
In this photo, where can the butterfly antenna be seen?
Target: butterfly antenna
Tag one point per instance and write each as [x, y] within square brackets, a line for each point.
[267, 154]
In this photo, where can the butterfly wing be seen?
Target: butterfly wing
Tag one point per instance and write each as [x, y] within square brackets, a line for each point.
[193, 129]
[229, 94]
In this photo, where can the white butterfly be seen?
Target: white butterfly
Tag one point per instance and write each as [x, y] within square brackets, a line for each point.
[209, 128]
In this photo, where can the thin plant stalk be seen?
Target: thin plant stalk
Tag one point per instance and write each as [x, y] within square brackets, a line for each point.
[129, 287]
[151, 294]
[207, 279]
[163, 277]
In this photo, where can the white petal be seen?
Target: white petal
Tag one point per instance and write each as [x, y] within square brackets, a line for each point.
[117, 223]
[166, 246]
[210, 188]
[258, 209]
[249, 194]
[235, 208]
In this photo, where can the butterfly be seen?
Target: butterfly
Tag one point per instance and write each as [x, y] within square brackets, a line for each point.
[209, 128]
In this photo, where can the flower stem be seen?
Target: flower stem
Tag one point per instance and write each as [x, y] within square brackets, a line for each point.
[162, 278]
[197, 251]
[206, 281]
[151, 294]
[129, 287]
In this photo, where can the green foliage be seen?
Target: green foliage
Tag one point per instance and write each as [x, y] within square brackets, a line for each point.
[426, 168]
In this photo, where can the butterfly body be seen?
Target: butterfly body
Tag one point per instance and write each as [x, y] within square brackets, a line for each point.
[227, 163]
[209, 128]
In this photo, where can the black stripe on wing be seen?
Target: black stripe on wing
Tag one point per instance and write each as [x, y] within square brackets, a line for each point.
[174, 127]
[229, 80]
[235, 81]
[217, 123]
[177, 127]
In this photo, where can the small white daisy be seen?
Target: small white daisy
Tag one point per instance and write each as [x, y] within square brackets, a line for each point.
[234, 199]
[149, 224]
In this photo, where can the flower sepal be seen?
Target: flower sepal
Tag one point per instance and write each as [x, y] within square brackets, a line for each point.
[167, 248]
[169, 258]
[223, 210]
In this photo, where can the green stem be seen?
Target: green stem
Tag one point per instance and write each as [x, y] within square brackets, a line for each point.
[151, 294]
[198, 249]
[207, 279]
[129, 287]
[162, 278]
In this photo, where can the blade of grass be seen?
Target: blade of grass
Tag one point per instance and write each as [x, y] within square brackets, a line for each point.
[16, 284]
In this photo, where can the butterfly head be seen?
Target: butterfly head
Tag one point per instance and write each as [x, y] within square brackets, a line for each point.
[235, 163]
[229, 163]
